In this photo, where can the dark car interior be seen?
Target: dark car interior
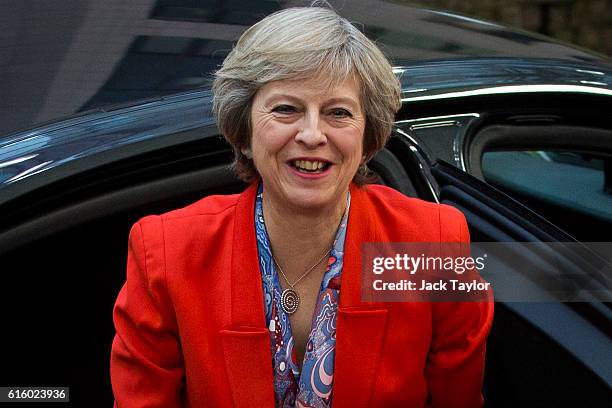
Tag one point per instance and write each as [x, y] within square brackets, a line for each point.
[559, 170]
[64, 263]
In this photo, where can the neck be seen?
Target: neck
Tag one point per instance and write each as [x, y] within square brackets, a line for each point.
[298, 238]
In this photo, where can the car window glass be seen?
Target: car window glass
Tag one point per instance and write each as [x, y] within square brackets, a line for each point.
[571, 189]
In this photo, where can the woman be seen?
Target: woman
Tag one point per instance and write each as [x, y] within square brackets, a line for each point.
[253, 299]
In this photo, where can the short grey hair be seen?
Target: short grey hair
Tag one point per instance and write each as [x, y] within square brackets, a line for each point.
[303, 43]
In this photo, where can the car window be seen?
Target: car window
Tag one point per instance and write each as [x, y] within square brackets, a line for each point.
[569, 188]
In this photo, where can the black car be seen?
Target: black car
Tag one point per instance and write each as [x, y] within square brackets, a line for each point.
[512, 128]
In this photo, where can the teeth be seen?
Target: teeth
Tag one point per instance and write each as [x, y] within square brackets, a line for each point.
[308, 165]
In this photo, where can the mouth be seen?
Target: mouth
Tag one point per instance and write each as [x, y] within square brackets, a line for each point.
[310, 166]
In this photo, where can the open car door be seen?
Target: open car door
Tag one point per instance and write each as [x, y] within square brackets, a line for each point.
[539, 353]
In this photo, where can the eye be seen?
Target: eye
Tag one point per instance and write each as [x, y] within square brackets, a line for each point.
[340, 113]
[284, 109]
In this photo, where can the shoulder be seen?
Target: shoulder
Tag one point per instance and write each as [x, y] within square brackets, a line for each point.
[211, 206]
[177, 243]
[419, 218]
[210, 216]
[386, 197]
[394, 207]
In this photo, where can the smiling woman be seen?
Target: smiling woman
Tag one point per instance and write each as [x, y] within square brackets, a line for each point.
[254, 299]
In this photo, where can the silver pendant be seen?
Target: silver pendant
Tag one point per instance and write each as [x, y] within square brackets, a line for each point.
[290, 301]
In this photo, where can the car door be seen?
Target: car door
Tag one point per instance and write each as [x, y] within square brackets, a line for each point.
[539, 353]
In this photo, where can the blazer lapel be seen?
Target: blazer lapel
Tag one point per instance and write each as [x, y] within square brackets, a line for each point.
[246, 344]
[360, 326]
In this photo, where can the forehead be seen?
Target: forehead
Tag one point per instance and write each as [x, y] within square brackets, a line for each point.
[312, 89]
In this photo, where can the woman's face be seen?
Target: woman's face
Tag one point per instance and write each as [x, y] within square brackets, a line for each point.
[307, 143]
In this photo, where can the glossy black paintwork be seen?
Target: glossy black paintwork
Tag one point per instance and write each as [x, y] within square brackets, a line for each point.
[104, 133]
[60, 58]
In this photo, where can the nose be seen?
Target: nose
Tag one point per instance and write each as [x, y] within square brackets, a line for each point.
[311, 134]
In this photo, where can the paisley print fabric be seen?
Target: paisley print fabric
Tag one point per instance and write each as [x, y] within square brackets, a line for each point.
[312, 387]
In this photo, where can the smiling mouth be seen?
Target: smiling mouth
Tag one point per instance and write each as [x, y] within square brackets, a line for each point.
[308, 166]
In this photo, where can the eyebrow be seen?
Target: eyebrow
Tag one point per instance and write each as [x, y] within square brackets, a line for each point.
[276, 96]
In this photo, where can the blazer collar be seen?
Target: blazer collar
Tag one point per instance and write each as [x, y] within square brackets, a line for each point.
[246, 287]
[360, 325]
[246, 343]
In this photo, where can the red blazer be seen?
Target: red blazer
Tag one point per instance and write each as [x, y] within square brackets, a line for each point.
[191, 327]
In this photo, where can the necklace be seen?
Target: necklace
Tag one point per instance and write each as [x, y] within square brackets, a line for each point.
[290, 300]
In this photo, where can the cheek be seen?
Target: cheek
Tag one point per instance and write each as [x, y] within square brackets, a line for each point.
[268, 140]
[351, 145]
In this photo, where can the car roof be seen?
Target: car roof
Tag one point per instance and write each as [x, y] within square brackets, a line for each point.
[440, 56]
[449, 78]
[91, 55]
[154, 124]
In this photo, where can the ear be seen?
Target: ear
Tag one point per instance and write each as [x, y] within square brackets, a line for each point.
[247, 152]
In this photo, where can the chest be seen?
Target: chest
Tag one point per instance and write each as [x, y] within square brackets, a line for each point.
[301, 320]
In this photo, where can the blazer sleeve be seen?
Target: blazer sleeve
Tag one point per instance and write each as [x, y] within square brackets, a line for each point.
[146, 359]
[455, 364]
